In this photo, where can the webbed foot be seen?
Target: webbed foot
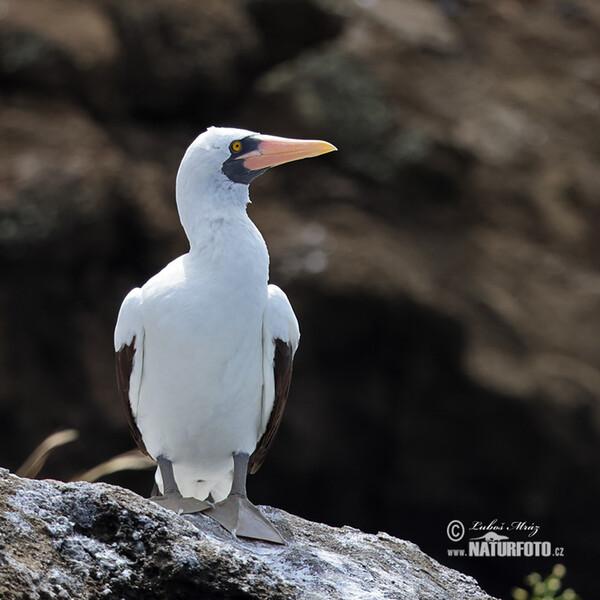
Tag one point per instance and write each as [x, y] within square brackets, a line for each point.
[237, 514]
[172, 497]
[240, 517]
[177, 503]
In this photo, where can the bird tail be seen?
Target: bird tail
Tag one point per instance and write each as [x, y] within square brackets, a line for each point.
[214, 490]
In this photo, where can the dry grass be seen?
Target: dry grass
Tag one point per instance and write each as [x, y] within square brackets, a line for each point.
[37, 459]
[133, 460]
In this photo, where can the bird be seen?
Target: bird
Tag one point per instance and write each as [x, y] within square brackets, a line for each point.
[204, 349]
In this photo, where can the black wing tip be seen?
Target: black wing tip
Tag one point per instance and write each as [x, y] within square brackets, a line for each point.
[282, 368]
[124, 366]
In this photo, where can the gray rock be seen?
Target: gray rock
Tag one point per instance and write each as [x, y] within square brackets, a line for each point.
[81, 540]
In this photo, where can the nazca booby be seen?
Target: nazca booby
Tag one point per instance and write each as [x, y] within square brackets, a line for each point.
[205, 347]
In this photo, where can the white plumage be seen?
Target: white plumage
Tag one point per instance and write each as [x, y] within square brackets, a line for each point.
[204, 328]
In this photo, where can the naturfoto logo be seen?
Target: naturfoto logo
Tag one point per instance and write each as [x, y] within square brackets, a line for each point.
[493, 538]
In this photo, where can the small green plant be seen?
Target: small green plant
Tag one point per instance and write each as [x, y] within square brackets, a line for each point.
[545, 589]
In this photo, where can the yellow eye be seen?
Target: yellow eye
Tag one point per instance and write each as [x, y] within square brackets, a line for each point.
[236, 146]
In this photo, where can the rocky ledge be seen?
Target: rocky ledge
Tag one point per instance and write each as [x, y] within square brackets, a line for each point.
[81, 540]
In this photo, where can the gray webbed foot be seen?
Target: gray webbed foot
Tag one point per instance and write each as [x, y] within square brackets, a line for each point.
[237, 514]
[177, 503]
[240, 517]
[172, 498]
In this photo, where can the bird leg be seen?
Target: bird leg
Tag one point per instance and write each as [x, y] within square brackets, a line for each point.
[237, 514]
[171, 497]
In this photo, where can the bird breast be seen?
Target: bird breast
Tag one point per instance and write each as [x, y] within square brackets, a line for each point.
[202, 377]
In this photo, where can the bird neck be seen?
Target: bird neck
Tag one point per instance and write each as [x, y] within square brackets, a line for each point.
[204, 209]
[230, 248]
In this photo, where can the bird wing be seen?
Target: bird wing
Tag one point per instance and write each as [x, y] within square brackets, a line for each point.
[280, 341]
[129, 348]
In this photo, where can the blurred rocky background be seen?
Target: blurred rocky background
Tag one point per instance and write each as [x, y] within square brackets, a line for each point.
[444, 264]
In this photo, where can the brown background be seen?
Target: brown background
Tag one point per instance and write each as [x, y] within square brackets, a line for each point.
[444, 264]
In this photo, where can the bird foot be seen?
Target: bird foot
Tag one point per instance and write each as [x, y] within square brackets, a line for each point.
[242, 519]
[177, 503]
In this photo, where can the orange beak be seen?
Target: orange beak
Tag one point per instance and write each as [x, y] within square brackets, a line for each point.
[273, 151]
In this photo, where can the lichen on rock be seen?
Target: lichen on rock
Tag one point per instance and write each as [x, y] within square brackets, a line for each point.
[81, 540]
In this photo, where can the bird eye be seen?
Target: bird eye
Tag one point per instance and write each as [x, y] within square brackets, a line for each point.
[236, 146]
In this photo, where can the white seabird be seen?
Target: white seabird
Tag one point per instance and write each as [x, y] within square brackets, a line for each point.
[205, 347]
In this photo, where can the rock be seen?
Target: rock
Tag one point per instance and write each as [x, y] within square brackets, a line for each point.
[81, 540]
[79, 32]
[417, 23]
[182, 57]
[60, 169]
[435, 157]
[335, 93]
[288, 27]
[147, 57]
[63, 47]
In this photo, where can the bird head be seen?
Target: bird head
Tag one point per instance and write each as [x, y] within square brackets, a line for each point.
[221, 162]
